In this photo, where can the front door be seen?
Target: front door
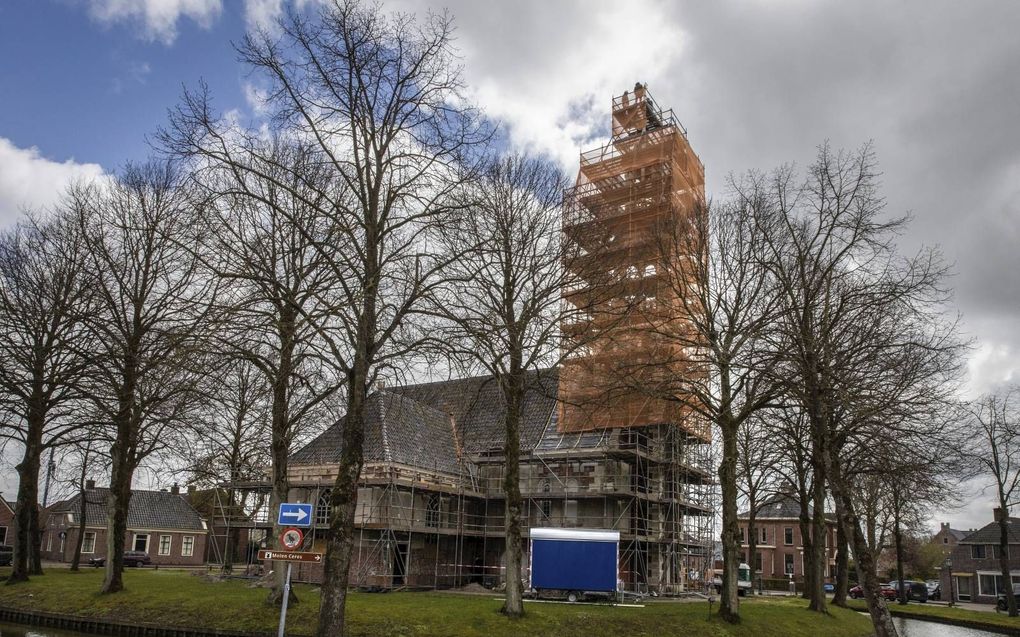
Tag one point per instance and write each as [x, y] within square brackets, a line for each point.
[963, 588]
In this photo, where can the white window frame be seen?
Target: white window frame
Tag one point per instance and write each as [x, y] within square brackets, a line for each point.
[1014, 576]
[3, 540]
[788, 558]
[49, 541]
[134, 542]
[187, 546]
[790, 529]
[169, 543]
[764, 535]
[85, 548]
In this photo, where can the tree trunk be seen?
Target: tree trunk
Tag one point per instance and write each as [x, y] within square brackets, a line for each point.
[752, 540]
[898, 540]
[1007, 581]
[35, 548]
[815, 585]
[729, 604]
[82, 494]
[865, 559]
[343, 500]
[514, 390]
[116, 517]
[804, 521]
[24, 507]
[842, 560]
[280, 449]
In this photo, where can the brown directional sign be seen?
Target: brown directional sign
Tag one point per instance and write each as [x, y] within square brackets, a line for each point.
[290, 556]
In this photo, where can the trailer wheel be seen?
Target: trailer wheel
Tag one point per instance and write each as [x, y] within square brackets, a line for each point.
[573, 596]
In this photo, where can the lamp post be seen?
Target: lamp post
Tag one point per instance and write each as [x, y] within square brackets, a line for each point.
[948, 564]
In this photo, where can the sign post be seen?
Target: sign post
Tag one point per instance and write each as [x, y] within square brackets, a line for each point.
[291, 514]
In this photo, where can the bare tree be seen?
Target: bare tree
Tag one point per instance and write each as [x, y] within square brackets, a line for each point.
[227, 443]
[44, 292]
[995, 447]
[759, 457]
[261, 227]
[712, 261]
[379, 100]
[152, 303]
[864, 345]
[504, 307]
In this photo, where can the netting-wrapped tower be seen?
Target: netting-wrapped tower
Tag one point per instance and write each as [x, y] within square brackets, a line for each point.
[645, 177]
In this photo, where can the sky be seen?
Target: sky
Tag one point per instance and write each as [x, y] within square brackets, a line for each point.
[934, 84]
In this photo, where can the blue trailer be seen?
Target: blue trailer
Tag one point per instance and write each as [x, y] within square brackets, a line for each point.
[577, 562]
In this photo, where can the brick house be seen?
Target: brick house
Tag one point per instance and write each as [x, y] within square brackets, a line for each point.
[976, 576]
[6, 522]
[780, 547]
[161, 523]
[948, 538]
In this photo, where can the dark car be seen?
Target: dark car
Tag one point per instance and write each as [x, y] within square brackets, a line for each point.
[131, 558]
[887, 592]
[1000, 599]
[916, 591]
[6, 555]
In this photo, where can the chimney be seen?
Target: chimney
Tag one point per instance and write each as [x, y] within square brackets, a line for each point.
[945, 526]
[176, 489]
[997, 514]
[90, 484]
[191, 489]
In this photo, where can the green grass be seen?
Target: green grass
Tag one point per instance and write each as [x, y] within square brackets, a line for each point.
[175, 598]
[932, 610]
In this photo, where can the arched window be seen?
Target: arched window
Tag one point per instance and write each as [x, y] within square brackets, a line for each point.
[546, 487]
[432, 510]
[322, 508]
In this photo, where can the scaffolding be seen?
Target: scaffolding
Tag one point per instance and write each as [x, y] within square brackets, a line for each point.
[645, 177]
[636, 465]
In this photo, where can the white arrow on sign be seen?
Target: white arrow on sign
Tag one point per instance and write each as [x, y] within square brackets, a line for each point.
[298, 515]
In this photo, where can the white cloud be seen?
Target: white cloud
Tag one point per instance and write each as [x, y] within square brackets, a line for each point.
[29, 180]
[158, 17]
[262, 13]
[549, 70]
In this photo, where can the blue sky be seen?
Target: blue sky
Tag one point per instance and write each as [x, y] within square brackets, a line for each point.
[77, 87]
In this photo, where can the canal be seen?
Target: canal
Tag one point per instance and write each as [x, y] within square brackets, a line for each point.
[906, 628]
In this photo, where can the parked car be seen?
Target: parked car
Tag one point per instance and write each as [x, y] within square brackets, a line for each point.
[916, 591]
[6, 555]
[887, 592]
[1000, 599]
[934, 589]
[131, 558]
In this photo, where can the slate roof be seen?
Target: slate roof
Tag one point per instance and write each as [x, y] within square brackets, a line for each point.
[147, 510]
[424, 425]
[781, 506]
[989, 533]
[959, 534]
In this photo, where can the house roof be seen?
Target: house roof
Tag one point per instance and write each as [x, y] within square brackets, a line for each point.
[9, 504]
[989, 533]
[781, 506]
[146, 510]
[425, 425]
[959, 534]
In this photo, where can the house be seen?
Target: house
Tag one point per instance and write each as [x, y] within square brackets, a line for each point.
[6, 522]
[975, 574]
[160, 523]
[948, 538]
[229, 524]
[430, 498]
[780, 548]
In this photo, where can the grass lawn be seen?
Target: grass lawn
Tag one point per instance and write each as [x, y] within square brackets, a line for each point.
[175, 598]
[933, 610]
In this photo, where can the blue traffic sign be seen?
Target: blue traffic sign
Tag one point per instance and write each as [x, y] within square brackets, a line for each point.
[294, 514]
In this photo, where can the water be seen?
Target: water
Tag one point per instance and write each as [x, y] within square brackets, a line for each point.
[905, 627]
[20, 630]
[914, 628]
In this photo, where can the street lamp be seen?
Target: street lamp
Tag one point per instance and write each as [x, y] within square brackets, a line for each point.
[948, 564]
